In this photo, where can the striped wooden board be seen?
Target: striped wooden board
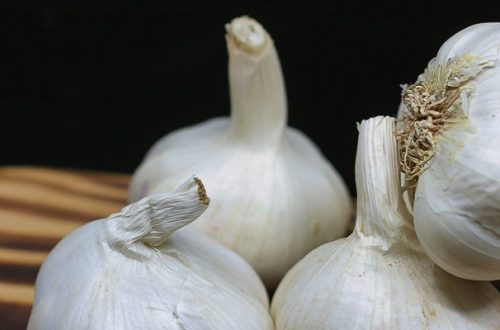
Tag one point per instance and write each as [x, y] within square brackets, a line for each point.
[38, 206]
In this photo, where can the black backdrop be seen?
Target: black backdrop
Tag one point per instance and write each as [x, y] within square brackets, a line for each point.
[93, 85]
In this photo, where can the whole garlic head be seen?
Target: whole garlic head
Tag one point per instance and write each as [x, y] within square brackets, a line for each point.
[379, 277]
[450, 150]
[274, 196]
[138, 269]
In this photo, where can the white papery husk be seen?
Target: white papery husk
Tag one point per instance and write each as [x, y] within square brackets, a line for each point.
[457, 198]
[274, 196]
[126, 272]
[379, 277]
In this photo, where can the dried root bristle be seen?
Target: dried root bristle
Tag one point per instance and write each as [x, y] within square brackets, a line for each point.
[202, 193]
[431, 104]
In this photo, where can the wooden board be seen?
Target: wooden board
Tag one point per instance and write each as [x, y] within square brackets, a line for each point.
[38, 206]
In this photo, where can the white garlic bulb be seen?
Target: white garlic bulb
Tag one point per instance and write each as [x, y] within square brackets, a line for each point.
[450, 149]
[378, 277]
[274, 196]
[127, 272]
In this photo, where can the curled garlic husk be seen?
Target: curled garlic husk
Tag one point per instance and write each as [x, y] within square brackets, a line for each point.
[138, 269]
[274, 196]
[379, 277]
[450, 151]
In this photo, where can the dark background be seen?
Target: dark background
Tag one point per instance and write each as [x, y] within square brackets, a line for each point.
[93, 85]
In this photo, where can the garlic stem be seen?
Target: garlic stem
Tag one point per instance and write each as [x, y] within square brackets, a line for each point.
[153, 219]
[258, 98]
[380, 209]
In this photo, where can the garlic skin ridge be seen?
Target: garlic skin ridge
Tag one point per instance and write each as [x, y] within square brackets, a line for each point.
[274, 196]
[379, 277]
[457, 198]
[138, 269]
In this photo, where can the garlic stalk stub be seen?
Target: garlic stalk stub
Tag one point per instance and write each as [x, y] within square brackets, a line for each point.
[379, 277]
[139, 269]
[450, 138]
[274, 196]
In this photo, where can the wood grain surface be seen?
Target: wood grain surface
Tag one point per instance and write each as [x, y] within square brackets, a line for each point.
[38, 206]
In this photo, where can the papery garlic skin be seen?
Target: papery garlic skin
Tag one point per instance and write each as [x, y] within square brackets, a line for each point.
[457, 197]
[127, 272]
[274, 196]
[379, 277]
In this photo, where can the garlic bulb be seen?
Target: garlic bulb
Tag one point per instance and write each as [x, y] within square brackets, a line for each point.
[450, 149]
[378, 277]
[127, 272]
[274, 196]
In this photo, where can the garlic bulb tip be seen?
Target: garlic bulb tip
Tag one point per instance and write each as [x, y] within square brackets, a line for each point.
[202, 193]
[247, 35]
[153, 219]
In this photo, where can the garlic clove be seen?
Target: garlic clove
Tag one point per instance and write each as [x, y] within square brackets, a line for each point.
[379, 277]
[274, 196]
[142, 269]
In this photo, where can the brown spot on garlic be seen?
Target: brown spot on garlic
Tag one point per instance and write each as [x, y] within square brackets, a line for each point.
[316, 228]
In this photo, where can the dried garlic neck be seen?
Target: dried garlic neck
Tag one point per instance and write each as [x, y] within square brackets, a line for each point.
[257, 90]
[382, 218]
[435, 101]
[153, 219]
